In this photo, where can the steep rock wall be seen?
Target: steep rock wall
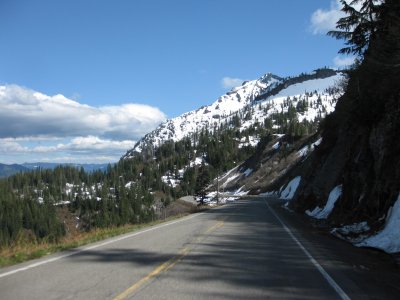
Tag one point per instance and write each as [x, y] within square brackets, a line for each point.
[361, 139]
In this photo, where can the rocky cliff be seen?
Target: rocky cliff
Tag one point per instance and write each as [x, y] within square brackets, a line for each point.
[360, 149]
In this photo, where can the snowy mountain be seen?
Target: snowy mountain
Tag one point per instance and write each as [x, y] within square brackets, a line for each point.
[313, 95]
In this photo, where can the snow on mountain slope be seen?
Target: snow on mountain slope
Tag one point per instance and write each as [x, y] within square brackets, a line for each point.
[311, 90]
[307, 86]
[248, 96]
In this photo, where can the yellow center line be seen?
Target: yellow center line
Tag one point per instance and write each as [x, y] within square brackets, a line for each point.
[165, 266]
[215, 227]
[183, 253]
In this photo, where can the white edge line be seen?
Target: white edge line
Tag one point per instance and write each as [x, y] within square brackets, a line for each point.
[342, 294]
[124, 237]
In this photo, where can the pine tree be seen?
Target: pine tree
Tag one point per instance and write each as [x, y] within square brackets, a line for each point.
[202, 180]
[358, 27]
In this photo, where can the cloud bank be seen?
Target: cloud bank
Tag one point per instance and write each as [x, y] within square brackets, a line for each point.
[32, 123]
[229, 82]
[323, 20]
[27, 113]
[89, 149]
[343, 62]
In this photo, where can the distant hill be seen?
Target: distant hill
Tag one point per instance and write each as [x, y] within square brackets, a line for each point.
[8, 170]
[86, 167]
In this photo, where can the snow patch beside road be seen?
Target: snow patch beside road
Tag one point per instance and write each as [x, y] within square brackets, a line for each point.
[388, 239]
[247, 172]
[323, 213]
[288, 192]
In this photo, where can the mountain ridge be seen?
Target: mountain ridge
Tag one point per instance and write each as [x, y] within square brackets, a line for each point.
[8, 170]
[11, 169]
[269, 88]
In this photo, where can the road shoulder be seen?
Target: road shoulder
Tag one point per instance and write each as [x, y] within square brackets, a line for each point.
[362, 273]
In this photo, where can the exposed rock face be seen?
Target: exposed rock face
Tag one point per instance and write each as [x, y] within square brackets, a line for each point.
[361, 147]
[276, 160]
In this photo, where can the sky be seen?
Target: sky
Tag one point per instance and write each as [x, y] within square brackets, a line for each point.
[83, 80]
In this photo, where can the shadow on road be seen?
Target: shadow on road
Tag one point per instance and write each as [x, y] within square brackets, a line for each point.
[251, 255]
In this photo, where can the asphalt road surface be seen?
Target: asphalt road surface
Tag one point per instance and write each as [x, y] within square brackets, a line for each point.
[243, 250]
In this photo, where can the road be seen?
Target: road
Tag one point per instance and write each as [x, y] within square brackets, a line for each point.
[241, 250]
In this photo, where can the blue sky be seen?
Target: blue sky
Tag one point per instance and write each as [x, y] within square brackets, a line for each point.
[116, 69]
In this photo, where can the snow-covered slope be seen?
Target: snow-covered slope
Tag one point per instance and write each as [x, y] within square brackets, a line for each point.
[261, 98]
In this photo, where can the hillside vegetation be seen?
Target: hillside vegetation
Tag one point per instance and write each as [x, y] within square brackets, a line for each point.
[44, 205]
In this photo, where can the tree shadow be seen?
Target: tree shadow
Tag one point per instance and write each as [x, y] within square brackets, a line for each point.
[250, 256]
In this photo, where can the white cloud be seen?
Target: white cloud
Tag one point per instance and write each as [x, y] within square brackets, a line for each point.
[342, 62]
[27, 113]
[11, 146]
[323, 20]
[93, 142]
[229, 82]
[89, 149]
[38, 127]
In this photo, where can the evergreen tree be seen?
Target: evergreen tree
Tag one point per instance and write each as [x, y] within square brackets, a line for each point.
[202, 180]
[358, 26]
